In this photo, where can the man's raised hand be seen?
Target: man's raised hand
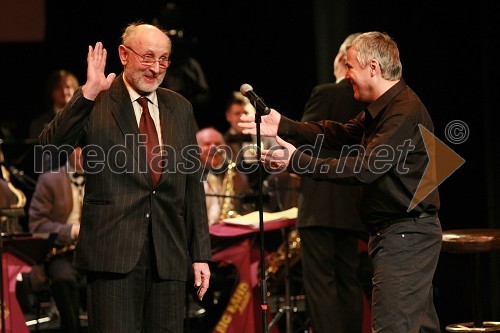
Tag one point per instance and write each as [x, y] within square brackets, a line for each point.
[97, 81]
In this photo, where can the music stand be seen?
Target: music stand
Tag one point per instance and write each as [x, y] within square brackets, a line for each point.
[32, 248]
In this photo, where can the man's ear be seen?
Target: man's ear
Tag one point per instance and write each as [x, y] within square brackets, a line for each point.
[374, 65]
[123, 53]
[342, 59]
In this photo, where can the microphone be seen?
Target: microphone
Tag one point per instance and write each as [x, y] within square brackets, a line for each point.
[258, 102]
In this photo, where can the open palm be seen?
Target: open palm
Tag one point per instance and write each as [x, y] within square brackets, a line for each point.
[268, 127]
[97, 81]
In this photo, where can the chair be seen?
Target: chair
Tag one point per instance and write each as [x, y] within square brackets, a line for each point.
[476, 242]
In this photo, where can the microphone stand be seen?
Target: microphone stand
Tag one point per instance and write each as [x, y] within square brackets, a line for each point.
[263, 285]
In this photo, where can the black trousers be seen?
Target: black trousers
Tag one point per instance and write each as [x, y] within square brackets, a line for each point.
[135, 302]
[67, 285]
[333, 290]
[405, 256]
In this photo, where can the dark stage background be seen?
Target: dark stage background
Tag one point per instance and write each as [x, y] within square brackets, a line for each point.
[283, 49]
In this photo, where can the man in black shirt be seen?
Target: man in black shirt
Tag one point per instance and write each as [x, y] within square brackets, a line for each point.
[390, 163]
[328, 221]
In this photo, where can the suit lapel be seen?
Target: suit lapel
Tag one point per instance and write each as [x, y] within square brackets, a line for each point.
[168, 131]
[123, 112]
[67, 191]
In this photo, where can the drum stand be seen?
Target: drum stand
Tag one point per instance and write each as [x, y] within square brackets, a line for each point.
[287, 309]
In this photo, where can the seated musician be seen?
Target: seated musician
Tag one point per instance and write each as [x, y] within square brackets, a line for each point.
[224, 190]
[280, 192]
[243, 146]
[224, 187]
[56, 208]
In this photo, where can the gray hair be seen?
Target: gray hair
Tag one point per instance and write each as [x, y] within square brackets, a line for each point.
[381, 47]
[347, 42]
[131, 29]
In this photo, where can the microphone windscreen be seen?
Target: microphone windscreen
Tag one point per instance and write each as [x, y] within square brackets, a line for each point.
[245, 87]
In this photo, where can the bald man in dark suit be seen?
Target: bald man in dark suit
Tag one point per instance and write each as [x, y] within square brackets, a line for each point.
[144, 221]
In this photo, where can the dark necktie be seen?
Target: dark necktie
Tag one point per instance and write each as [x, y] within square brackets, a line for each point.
[147, 127]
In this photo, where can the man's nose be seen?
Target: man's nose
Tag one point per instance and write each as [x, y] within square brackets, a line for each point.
[155, 67]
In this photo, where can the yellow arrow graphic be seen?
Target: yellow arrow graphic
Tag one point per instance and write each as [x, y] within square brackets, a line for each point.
[443, 161]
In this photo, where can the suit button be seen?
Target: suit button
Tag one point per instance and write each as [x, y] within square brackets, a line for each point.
[154, 192]
[147, 215]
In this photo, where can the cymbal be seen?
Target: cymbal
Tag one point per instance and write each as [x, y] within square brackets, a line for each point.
[15, 151]
[18, 142]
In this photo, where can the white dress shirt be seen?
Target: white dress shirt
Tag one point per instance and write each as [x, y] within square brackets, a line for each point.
[152, 104]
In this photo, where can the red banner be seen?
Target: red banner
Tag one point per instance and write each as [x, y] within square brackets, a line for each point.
[243, 314]
[14, 317]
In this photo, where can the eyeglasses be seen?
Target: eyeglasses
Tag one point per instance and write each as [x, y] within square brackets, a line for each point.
[149, 60]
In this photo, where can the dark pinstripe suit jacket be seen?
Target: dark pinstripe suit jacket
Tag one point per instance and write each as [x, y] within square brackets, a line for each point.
[119, 196]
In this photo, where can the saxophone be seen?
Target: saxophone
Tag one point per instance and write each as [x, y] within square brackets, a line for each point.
[11, 224]
[227, 206]
[21, 198]
[56, 251]
[276, 261]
